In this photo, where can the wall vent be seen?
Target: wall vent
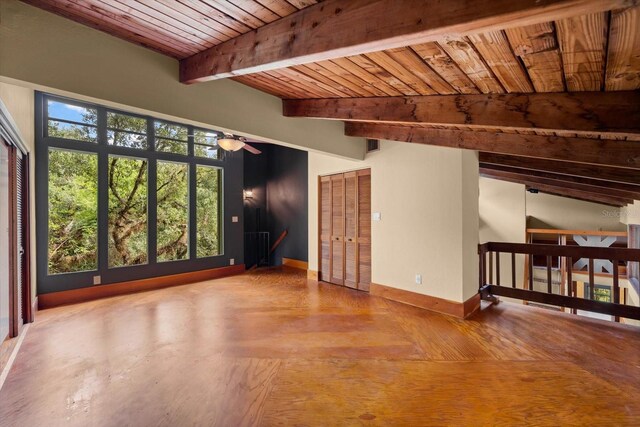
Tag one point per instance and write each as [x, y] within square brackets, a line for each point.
[373, 145]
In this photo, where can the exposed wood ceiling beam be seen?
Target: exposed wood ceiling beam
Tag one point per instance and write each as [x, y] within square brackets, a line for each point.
[559, 190]
[602, 173]
[622, 191]
[615, 113]
[581, 150]
[577, 195]
[339, 28]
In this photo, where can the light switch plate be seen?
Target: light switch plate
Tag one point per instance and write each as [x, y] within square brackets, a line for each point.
[232, 261]
[376, 216]
[234, 219]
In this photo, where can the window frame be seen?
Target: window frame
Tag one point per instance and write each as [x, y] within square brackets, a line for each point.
[153, 267]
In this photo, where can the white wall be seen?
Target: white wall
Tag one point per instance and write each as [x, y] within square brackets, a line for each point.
[630, 214]
[502, 211]
[47, 52]
[428, 198]
[548, 211]
[20, 103]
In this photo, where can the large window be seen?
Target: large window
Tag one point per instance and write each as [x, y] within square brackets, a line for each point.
[127, 211]
[207, 192]
[126, 194]
[173, 211]
[73, 211]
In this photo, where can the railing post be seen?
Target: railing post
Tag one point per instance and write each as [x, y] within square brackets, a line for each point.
[497, 268]
[530, 272]
[491, 267]
[592, 285]
[616, 286]
[513, 269]
[549, 281]
[482, 266]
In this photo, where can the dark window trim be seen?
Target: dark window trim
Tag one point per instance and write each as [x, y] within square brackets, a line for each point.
[153, 268]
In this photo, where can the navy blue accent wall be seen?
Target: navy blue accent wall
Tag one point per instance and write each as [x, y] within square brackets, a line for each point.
[278, 180]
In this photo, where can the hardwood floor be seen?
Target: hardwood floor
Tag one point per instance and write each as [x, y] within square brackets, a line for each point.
[271, 348]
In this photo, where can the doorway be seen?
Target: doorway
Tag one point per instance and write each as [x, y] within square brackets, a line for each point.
[15, 292]
[345, 229]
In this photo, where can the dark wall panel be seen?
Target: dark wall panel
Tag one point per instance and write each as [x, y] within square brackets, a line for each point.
[287, 201]
[278, 180]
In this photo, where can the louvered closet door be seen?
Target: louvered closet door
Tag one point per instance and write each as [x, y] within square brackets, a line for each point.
[325, 229]
[350, 230]
[364, 229]
[337, 229]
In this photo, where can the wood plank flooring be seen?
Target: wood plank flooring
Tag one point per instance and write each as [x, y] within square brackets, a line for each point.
[272, 348]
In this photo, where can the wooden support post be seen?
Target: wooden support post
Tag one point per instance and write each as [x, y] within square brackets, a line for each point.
[616, 286]
[592, 285]
[513, 270]
[498, 268]
[549, 278]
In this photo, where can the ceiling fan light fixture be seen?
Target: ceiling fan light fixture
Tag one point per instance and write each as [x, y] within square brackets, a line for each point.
[230, 144]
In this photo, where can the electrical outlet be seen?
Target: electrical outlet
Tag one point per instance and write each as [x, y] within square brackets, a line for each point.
[376, 216]
[234, 219]
[97, 280]
[232, 261]
[419, 279]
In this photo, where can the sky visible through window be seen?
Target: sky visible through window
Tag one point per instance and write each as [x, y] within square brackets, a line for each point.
[74, 113]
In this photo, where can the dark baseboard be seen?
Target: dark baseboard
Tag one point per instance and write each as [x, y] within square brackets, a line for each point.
[460, 310]
[55, 299]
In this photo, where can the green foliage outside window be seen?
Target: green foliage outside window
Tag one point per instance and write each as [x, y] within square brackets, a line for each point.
[73, 211]
[127, 211]
[207, 206]
[173, 211]
[73, 192]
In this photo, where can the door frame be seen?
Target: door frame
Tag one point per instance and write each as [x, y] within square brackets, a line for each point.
[11, 139]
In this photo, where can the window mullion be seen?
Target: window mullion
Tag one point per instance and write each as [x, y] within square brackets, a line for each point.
[193, 222]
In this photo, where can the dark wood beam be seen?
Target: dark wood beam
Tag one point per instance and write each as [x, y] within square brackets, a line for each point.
[581, 150]
[584, 196]
[602, 173]
[587, 196]
[339, 28]
[614, 113]
[620, 191]
[577, 195]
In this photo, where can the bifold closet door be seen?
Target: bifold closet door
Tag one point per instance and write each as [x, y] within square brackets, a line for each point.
[351, 230]
[345, 229]
[364, 229]
[337, 229]
[325, 229]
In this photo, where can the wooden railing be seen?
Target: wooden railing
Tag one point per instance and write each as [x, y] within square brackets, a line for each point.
[488, 252]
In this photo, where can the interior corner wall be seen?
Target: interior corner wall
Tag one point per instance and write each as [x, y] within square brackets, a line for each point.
[470, 223]
[422, 193]
[20, 103]
[49, 53]
[549, 211]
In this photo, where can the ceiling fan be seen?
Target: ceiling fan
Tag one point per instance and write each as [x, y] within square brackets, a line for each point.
[231, 142]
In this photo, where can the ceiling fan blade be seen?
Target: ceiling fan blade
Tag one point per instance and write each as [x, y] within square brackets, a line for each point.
[252, 150]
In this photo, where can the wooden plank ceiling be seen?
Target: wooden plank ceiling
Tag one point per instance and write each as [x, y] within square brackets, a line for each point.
[177, 28]
[595, 52]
